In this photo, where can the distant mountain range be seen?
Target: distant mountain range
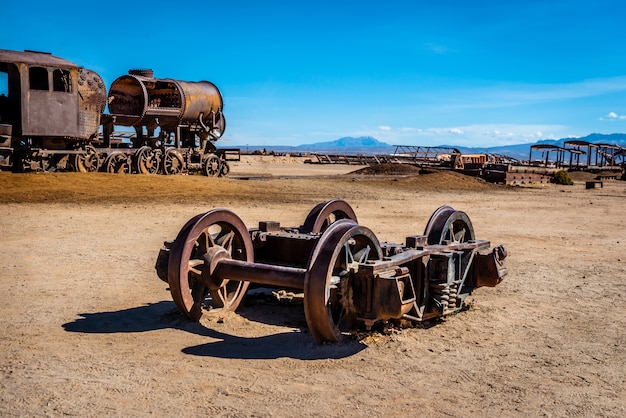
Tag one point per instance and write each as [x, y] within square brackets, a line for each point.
[350, 142]
[368, 145]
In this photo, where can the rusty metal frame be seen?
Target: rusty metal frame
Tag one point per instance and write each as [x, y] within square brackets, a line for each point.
[348, 277]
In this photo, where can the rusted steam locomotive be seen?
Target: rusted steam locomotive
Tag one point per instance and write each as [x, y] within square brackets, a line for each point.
[51, 111]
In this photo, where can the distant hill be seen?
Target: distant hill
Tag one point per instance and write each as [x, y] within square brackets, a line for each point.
[350, 142]
[359, 145]
[365, 145]
[368, 145]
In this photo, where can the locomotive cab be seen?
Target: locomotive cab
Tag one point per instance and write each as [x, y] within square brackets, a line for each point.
[45, 101]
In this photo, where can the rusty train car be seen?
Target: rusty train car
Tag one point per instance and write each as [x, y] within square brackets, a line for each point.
[52, 118]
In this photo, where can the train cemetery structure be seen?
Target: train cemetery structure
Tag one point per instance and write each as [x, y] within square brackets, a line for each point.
[538, 169]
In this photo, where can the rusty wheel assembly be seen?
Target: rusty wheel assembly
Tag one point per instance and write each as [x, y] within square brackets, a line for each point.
[147, 160]
[117, 162]
[211, 166]
[348, 278]
[325, 213]
[173, 162]
[225, 169]
[205, 239]
[88, 162]
[338, 253]
[449, 225]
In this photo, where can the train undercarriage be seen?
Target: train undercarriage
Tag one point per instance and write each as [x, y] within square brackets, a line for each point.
[349, 279]
[121, 152]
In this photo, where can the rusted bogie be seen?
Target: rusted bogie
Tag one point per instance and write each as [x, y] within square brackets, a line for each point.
[348, 277]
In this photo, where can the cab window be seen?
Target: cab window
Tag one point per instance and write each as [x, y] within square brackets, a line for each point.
[4, 82]
[38, 78]
[61, 81]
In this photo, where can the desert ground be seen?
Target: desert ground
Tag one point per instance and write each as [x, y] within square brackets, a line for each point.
[87, 328]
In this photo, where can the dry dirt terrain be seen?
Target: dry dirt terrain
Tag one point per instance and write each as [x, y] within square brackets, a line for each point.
[87, 328]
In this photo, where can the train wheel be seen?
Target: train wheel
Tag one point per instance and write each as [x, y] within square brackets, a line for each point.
[147, 161]
[117, 162]
[217, 228]
[173, 162]
[212, 166]
[36, 163]
[87, 162]
[340, 249]
[325, 213]
[447, 224]
[45, 164]
[225, 169]
[28, 163]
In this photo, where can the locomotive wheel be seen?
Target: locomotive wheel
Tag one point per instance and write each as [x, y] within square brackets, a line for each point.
[117, 162]
[225, 169]
[218, 229]
[342, 246]
[45, 164]
[212, 166]
[31, 163]
[447, 224]
[325, 213]
[147, 161]
[173, 162]
[36, 163]
[88, 162]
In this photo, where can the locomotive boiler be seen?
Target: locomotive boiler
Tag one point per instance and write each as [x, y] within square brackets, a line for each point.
[140, 99]
[51, 111]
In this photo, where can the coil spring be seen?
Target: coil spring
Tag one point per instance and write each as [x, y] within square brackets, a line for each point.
[446, 294]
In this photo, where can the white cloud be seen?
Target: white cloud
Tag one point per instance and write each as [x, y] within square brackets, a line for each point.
[384, 128]
[482, 135]
[612, 116]
[479, 135]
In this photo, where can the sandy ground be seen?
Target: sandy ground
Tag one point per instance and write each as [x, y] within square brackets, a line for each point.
[87, 329]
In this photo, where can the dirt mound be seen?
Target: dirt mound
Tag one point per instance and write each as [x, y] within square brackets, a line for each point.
[116, 188]
[589, 176]
[388, 169]
[408, 177]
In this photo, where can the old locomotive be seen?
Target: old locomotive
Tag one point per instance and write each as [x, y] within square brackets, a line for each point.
[347, 275]
[51, 111]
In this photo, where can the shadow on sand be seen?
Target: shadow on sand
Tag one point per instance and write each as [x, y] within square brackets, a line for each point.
[165, 315]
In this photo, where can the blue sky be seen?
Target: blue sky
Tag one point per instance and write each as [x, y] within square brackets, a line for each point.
[468, 73]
